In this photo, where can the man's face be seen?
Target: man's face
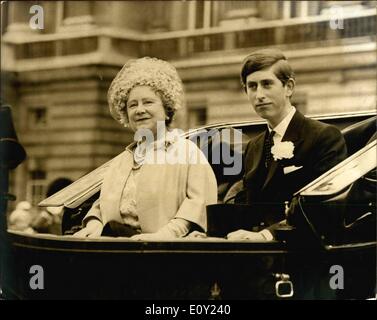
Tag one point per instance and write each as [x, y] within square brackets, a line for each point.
[268, 96]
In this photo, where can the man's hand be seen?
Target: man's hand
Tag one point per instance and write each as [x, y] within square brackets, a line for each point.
[248, 235]
[93, 229]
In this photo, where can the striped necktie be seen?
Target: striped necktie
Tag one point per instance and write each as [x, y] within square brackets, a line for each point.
[268, 143]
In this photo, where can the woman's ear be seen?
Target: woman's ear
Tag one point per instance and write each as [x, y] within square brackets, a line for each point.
[290, 86]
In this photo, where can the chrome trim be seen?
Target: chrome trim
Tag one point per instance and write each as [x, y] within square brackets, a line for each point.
[309, 189]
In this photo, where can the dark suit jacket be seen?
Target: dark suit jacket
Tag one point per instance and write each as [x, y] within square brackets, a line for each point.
[317, 148]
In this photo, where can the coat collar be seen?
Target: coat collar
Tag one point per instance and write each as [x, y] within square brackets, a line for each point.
[282, 127]
[292, 134]
[170, 138]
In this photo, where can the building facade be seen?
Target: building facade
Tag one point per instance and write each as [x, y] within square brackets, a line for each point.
[56, 76]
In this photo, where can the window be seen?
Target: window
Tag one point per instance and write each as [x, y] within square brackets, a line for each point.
[37, 117]
[199, 14]
[197, 116]
[74, 15]
[36, 187]
[230, 13]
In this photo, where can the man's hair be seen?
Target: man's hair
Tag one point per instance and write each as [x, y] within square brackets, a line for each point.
[263, 59]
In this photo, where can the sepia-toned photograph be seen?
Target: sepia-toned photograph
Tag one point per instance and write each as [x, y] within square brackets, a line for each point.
[188, 150]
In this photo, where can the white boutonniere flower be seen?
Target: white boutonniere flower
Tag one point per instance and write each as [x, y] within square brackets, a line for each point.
[283, 150]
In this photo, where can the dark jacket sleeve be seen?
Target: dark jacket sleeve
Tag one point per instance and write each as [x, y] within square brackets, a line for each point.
[331, 150]
[240, 197]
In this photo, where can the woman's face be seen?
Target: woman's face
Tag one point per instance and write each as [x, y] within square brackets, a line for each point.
[144, 109]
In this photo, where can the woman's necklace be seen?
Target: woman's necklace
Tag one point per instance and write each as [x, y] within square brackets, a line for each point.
[142, 148]
[139, 154]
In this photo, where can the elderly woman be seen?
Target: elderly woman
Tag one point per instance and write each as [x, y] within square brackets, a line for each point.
[159, 188]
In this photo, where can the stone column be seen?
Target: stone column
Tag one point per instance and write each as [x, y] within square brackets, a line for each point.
[178, 15]
[303, 10]
[19, 16]
[269, 10]
[158, 21]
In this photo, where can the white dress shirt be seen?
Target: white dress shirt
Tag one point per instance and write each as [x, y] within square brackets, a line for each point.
[281, 128]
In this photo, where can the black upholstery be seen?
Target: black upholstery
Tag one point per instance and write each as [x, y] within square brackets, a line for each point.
[72, 218]
[358, 134]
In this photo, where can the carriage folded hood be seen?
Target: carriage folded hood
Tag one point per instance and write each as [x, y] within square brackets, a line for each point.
[79, 191]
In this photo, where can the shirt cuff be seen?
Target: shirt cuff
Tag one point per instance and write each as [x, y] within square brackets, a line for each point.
[267, 235]
[86, 220]
[177, 227]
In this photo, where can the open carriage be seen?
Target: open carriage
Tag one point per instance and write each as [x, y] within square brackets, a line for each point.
[326, 250]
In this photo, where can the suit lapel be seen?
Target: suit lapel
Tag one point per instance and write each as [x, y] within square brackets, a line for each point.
[256, 151]
[270, 173]
[291, 134]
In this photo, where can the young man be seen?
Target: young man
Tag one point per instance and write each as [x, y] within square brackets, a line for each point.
[291, 152]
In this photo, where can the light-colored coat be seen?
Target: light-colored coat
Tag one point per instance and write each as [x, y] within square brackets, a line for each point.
[165, 191]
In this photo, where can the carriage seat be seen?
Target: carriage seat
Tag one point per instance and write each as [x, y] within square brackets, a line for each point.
[358, 134]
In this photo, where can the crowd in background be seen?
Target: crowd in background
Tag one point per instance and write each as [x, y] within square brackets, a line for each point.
[33, 219]
[30, 219]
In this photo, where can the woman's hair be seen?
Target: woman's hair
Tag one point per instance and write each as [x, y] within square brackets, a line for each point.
[160, 75]
[263, 59]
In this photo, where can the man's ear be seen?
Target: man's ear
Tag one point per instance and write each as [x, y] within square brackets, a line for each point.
[290, 86]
